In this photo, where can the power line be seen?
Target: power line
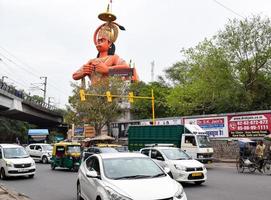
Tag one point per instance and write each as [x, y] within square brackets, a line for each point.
[229, 9]
[25, 69]
[11, 74]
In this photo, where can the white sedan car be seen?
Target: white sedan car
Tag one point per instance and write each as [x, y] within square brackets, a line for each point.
[182, 167]
[125, 176]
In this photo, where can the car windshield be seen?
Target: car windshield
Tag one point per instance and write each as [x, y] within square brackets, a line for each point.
[175, 154]
[203, 141]
[48, 147]
[131, 168]
[15, 152]
[108, 150]
[73, 149]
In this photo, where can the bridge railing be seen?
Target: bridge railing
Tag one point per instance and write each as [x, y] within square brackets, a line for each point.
[27, 98]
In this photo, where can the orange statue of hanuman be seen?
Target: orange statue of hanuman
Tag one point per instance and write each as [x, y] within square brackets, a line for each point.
[104, 37]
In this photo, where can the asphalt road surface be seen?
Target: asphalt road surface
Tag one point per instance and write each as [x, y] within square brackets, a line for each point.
[223, 183]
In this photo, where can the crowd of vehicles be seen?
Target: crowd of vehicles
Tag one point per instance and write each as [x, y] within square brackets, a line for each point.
[190, 138]
[106, 173]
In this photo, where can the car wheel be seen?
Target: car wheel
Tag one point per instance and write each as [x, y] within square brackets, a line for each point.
[44, 160]
[199, 182]
[78, 193]
[31, 176]
[3, 174]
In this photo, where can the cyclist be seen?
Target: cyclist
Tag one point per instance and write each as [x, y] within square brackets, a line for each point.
[259, 154]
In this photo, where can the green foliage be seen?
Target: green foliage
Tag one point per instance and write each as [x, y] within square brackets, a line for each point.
[229, 73]
[142, 108]
[95, 110]
[10, 129]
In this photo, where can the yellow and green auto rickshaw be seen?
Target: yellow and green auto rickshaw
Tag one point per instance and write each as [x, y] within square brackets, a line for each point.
[67, 155]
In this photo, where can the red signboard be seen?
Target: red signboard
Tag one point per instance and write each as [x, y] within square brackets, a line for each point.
[252, 125]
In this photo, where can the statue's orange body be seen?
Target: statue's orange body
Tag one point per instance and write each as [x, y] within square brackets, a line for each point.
[98, 68]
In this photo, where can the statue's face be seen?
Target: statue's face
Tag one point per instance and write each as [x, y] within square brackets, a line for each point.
[103, 44]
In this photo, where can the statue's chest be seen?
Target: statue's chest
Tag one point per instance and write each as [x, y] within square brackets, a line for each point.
[107, 60]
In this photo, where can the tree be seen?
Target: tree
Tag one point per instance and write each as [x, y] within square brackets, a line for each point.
[142, 108]
[96, 110]
[205, 84]
[247, 44]
[228, 73]
[10, 129]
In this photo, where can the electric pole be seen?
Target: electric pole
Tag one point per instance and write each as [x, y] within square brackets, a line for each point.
[50, 101]
[152, 71]
[3, 78]
[44, 87]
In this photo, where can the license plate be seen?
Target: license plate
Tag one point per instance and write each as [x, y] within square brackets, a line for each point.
[196, 174]
[22, 170]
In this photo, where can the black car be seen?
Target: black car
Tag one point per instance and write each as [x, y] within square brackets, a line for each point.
[96, 150]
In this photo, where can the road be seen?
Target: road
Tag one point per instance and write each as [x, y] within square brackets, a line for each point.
[223, 183]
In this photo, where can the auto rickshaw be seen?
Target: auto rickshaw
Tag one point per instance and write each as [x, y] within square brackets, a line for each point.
[67, 155]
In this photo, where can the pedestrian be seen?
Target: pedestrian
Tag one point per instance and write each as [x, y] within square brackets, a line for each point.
[17, 141]
[259, 154]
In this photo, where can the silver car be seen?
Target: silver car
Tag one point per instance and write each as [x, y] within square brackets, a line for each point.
[125, 176]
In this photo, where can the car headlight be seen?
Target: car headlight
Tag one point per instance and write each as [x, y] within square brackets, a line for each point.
[180, 167]
[9, 164]
[203, 167]
[179, 194]
[32, 163]
[113, 195]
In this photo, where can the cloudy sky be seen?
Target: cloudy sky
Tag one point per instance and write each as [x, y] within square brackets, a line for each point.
[53, 38]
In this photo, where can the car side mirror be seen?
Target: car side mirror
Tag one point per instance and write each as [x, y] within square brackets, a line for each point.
[92, 174]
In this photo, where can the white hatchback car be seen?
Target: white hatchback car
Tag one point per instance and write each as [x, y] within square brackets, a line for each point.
[182, 167]
[15, 161]
[125, 176]
[40, 152]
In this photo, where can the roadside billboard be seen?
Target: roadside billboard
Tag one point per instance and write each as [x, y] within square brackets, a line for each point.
[250, 125]
[214, 126]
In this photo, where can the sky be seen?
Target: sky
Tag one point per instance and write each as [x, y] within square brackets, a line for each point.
[53, 38]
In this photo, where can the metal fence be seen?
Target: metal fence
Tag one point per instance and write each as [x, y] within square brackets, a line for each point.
[27, 98]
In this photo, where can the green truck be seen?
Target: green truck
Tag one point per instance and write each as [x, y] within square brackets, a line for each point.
[190, 138]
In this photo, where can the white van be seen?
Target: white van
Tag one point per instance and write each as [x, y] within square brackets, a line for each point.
[15, 161]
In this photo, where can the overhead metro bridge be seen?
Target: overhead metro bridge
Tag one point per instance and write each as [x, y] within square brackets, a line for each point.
[15, 104]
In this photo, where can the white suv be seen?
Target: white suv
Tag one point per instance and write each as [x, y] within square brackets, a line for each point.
[40, 152]
[15, 161]
[182, 167]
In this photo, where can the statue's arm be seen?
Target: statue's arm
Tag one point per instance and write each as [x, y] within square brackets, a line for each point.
[85, 70]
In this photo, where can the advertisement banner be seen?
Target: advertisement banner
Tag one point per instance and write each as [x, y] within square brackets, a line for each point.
[214, 126]
[252, 125]
[79, 132]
